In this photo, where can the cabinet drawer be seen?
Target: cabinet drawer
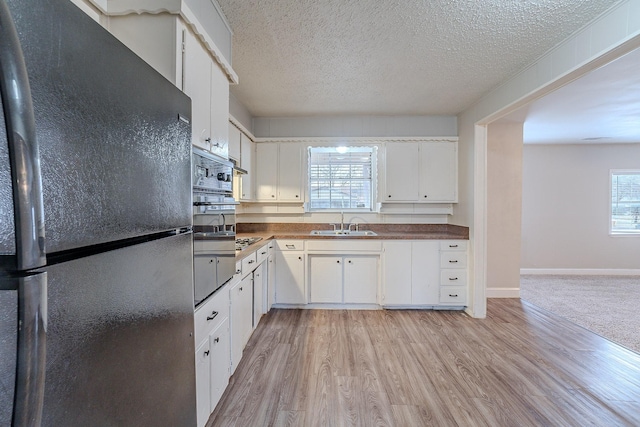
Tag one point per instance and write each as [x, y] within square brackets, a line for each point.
[453, 259]
[262, 253]
[210, 314]
[345, 245]
[453, 277]
[249, 263]
[453, 295]
[290, 245]
[453, 245]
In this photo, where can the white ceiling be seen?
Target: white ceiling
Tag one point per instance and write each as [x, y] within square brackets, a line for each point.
[600, 107]
[404, 57]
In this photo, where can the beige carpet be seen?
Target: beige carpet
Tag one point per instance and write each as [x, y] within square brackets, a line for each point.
[606, 305]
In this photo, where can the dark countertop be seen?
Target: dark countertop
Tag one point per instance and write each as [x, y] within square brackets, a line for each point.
[384, 232]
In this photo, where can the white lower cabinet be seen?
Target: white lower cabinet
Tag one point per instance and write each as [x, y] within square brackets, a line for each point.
[290, 270]
[241, 296]
[361, 279]
[219, 344]
[343, 279]
[411, 272]
[453, 273]
[211, 320]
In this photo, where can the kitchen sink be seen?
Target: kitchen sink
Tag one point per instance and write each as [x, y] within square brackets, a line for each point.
[346, 233]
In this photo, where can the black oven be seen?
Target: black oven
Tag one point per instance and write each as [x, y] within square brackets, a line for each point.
[214, 223]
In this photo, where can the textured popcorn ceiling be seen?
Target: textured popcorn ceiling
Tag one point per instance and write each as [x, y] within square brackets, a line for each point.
[308, 57]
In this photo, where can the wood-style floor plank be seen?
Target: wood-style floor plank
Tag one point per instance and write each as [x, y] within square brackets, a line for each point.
[520, 366]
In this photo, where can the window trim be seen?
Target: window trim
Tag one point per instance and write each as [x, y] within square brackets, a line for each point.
[375, 206]
[612, 232]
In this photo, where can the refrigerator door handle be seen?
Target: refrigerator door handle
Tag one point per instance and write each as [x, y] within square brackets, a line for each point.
[23, 147]
[31, 358]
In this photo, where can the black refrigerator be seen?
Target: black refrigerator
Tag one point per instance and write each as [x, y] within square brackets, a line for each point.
[96, 282]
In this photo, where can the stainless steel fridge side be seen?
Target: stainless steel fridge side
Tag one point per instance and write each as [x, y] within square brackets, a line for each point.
[28, 211]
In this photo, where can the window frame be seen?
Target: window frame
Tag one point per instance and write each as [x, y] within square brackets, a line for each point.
[612, 232]
[374, 178]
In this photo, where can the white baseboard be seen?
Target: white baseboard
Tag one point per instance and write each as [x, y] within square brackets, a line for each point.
[503, 292]
[582, 271]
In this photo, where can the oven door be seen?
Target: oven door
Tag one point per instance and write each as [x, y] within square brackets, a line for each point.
[214, 262]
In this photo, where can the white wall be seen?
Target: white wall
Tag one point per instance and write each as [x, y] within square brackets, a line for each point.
[504, 204]
[240, 113]
[354, 126]
[608, 37]
[565, 207]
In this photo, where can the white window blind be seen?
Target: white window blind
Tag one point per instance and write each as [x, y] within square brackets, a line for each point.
[625, 202]
[341, 177]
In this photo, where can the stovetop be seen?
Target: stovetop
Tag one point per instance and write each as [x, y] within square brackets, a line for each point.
[243, 243]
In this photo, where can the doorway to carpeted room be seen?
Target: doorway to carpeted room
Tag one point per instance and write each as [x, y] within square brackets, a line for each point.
[606, 305]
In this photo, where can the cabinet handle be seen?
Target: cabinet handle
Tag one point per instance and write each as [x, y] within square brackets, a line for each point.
[206, 353]
[210, 261]
[262, 253]
[425, 196]
[453, 261]
[218, 261]
[217, 340]
[453, 295]
[453, 278]
[273, 195]
[338, 261]
[241, 289]
[207, 139]
[300, 258]
[349, 261]
[213, 315]
[453, 246]
[389, 195]
[238, 271]
[297, 196]
[250, 261]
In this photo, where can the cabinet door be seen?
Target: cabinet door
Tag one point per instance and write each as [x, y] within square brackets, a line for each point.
[219, 112]
[241, 297]
[290, 172]
[401, 172]
[325, 279]
[258, 295]
[290, 278]
[220, 362]
[197, 85]
[203, 383]
[438, 172]
[234, 142]
[425, 275]
[397, 273]
[271, 281]
[266, 171]
[361, 280]
[246, 163]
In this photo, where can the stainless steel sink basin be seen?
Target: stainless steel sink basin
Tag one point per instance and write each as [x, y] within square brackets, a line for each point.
[344, 233]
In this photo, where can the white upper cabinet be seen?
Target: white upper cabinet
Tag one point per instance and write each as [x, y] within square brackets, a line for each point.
[278, 172]
[421, 172]
[246, 162]
[290, 172]
[402, 171]
[234, 142]
[438, 171]
[266, 171]
[171, 46]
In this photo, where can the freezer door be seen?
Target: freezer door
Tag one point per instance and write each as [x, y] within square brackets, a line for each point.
[114, 135]
[120, 347]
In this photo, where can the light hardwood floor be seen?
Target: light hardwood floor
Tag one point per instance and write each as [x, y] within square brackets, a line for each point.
[521, 366]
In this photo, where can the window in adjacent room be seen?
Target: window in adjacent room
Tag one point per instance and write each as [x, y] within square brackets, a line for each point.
[625, 202]
[342, 178]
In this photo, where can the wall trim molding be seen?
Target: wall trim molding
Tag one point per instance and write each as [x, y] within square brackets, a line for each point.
[503, 292]
[358, 139]
[582, 271]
